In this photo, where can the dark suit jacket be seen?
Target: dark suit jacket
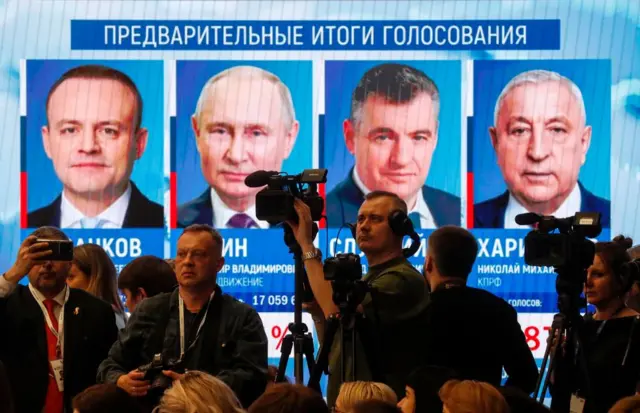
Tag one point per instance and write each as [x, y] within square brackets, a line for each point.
[196, 211]
[88, 335]
[141, 213]
[490, 213]
[345, 199]
[477, 334]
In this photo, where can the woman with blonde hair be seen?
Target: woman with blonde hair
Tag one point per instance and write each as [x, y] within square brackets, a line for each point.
[199, 392]
[93, 271]
[470, 396]
[353, 392]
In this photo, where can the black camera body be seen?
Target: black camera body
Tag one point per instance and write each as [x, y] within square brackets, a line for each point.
[569, 251]
[274, 203]
[345, 273]
[153, 372]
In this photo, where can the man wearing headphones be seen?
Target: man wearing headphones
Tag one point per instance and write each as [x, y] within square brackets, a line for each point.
[393, 307]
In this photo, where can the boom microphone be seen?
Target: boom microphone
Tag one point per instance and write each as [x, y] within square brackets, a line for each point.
[528, 218]
[258, 179]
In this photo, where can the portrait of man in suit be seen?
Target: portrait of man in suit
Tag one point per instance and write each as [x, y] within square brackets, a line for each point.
[392, 132]
[541, 138]
[244, 121]
[93, 137]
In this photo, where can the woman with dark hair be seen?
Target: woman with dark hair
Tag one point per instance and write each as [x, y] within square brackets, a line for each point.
[421, 391]
[610, 337]
[93, 271]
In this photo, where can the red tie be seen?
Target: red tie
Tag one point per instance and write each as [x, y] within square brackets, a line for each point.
[54, 402]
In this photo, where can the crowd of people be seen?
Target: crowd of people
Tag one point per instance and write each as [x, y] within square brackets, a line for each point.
[432, 343]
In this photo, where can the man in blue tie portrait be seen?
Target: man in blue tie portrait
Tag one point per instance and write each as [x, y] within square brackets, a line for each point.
[93, 136]
[392, 132]
[244, 121]
[541, 138]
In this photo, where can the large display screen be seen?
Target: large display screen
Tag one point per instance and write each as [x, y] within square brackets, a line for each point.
[151, 114]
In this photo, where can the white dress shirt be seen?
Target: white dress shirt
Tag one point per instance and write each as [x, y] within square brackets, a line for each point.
[569, 207]
[222, 213]
[113, 216]
[426, 219]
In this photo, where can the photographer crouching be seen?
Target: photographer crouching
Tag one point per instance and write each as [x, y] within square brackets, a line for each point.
[398, 295]
[196, 327]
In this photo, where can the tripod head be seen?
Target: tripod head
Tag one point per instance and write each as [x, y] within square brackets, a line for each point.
[345, 273]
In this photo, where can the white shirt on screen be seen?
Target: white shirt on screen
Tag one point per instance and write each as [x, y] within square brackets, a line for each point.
[426, 219]
[112, 217]
[569, 207]
[222, 213]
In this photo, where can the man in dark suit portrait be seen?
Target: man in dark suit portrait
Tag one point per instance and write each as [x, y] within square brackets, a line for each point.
[392, 132]
[244, 122]
[93, 137]
[541, 138]
[47, 325]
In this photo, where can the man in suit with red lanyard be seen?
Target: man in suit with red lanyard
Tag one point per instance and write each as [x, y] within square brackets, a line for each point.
[54, 337]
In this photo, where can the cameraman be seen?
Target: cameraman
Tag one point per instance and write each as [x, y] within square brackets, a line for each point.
[399, 295]
[196, 327]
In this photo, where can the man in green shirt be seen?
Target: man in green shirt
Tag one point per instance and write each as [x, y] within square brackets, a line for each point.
[399, 296]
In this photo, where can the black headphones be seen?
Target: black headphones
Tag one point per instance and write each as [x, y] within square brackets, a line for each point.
[399, 222]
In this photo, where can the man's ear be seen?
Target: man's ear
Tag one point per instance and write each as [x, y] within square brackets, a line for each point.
[141, 293]
[349, 132]
[585, 143]
[46, 144]
[291, 137]
[140, 143]
[493, 133]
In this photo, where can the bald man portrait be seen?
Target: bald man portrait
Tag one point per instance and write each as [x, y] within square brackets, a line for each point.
[244, 121]
[541, 137]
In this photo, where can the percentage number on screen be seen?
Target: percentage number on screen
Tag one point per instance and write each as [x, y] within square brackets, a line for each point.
[279, 333]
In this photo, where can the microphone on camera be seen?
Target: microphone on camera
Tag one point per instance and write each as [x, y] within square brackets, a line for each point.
[528, 218]
[258, 179]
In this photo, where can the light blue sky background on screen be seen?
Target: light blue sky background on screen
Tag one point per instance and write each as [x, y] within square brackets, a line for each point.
[593, 78]
[341, 78]
[43, 184]
[193, 75]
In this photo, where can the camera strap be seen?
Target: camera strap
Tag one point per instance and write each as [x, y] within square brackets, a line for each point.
[59, 334]
[204, 319]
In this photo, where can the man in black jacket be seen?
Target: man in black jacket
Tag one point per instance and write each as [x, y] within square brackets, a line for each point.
[46, 324]
[469, 330]
[196, 324]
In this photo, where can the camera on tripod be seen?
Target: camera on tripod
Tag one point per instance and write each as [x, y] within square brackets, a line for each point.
[274, 203]
[570, 247]
[345, 273]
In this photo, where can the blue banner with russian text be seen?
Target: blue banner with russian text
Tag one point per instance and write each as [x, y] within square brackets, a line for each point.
[315, 35]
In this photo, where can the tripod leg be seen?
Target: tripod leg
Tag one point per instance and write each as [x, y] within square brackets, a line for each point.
[322, 362]
[287, 345]
[308, 352]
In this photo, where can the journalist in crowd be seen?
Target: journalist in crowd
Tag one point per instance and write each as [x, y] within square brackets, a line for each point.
[53, 336]
[470, 330]
[398, 294]
[610, 338]
[196, 327]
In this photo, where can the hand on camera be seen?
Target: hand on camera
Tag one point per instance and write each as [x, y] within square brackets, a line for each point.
[30, 251]
[303, 230]
[134, 383]
[172, 374]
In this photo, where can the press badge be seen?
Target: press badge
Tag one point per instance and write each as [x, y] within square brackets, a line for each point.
[56, 366]
[577, 404]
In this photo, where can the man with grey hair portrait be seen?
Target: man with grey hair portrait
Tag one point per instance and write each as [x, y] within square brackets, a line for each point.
[244, 121]
[541, 139]
[392, 132]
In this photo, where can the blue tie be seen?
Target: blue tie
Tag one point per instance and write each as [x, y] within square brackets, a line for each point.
[415, 220]
[91, 223]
